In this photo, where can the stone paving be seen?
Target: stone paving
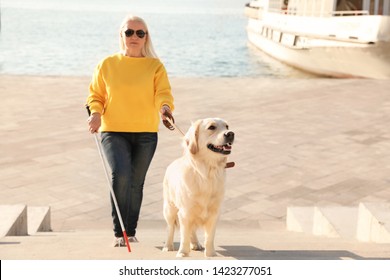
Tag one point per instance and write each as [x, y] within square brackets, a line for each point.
[298, 142]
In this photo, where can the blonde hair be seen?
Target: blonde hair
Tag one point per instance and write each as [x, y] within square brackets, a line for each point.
[147, 50]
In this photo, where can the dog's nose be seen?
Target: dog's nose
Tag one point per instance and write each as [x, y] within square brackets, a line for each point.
[229, 136]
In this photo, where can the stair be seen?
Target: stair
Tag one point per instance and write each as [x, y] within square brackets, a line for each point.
[13, 220]
[369, 222]
[300, 219]
[38, 219]
[20, 219]
[374, 225]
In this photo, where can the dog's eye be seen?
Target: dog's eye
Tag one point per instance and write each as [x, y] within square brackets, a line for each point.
[227, 127]
[212, 127]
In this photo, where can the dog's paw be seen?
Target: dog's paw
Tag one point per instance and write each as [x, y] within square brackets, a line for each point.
[196, 247]
[181, 255]
[210, 253]
[168, 248]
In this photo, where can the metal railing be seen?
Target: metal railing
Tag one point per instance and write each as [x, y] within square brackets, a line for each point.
[319, 13]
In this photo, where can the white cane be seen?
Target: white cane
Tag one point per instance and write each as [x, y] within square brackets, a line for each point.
[104, 162]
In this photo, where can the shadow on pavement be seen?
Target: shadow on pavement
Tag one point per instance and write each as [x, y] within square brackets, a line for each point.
[253, 253]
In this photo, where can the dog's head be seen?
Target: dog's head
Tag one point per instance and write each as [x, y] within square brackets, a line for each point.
[210, 136]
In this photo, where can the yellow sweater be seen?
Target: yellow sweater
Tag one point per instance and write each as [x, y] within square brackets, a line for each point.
[129, 92]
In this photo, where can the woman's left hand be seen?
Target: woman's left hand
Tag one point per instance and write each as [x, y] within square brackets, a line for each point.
[165, 114]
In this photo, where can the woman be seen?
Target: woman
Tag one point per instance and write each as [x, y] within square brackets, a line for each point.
[127, 92]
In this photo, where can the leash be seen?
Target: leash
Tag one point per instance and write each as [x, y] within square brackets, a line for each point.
[175, 126]
[228, 164]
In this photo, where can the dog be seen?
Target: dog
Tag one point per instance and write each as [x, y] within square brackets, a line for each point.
[193, 185]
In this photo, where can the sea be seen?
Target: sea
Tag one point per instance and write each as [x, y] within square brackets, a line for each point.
[193, 38]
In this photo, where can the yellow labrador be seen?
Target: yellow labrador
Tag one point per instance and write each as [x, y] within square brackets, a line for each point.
[194, 185]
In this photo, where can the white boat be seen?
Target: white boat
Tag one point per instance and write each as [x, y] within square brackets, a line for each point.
[336, 38]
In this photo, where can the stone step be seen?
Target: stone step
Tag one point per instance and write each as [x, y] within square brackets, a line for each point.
[374, 222]
[13, 220]
[38, 219]
[323, 221]
[300, 219]
[370, 222]
[336, 221]
[247, 243]
[20, 219]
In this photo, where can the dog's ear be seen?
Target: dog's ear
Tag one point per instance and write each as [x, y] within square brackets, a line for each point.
[191, 138]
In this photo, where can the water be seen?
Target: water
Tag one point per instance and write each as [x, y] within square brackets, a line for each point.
[192, 37]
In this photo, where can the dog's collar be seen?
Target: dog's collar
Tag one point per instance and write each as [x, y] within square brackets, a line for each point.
[230, 164]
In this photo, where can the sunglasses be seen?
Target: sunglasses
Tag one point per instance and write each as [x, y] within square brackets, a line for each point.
[140, 33]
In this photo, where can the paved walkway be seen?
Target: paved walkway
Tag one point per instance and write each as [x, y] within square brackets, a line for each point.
[233, 242]
[298, 142]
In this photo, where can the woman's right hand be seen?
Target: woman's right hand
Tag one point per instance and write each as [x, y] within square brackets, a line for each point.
[94, 122]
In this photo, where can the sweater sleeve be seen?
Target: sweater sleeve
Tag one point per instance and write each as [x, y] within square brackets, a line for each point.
[97, 91]
[163, 93]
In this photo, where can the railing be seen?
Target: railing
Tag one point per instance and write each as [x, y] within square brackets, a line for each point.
[319, 13]
[350, 13]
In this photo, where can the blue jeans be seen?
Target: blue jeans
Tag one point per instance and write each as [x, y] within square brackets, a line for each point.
[129, 156]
